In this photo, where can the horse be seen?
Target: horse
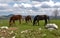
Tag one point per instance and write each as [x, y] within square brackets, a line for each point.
[28, 18]
[40, 17]
[14, 18]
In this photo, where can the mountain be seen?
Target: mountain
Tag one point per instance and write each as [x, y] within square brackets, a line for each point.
[8, 16]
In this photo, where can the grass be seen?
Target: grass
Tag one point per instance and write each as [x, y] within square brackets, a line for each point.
[33, 31]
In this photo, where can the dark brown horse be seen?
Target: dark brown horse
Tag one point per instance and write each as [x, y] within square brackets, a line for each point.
[28, 18]
[40, 17]
[14, 18]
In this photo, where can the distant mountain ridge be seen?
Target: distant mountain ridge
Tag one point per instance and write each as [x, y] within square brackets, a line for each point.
[8, 16]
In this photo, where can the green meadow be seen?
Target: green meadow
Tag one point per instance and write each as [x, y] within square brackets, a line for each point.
[33, 31]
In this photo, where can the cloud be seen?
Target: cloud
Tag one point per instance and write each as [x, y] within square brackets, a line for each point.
[23, 0]
[41, 0]
[36, 3]
[13, 1]
[4, 5]
[47, 0]
[15, 5]
[7, 10]
[35, 9]
[6, 1]
[25, 5]
[57, 4]
[56, 0]
[50, 3]
[46, 4]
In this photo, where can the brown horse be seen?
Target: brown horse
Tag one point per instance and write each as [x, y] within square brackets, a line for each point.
[13, 18]
[40, 17]
[28, 18]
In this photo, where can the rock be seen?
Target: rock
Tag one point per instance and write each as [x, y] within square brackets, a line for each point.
[51, 26]
[4, 27]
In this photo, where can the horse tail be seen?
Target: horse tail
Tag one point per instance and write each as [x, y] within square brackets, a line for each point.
[48, 17]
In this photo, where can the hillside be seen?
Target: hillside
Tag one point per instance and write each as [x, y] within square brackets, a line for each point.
[8, 16]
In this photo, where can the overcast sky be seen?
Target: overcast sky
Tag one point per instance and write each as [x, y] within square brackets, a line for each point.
[29, 7]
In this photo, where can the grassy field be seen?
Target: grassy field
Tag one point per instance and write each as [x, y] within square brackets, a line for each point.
[33, 31]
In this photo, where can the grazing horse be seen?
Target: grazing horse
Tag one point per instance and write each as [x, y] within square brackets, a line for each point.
[28, 18]
[40, 17]
[13, 18]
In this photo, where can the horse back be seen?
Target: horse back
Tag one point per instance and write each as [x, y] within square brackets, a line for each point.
[41, 17]
[15, 17]
[28, 17]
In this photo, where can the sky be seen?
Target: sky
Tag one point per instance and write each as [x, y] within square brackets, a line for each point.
[29, 7]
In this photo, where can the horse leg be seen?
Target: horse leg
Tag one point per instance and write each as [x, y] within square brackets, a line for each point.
[45, 21]
[31, 20]
[10, 23]
[26, 21]
[13, 22]
[19, 21]
[38, 22]
[34, 22]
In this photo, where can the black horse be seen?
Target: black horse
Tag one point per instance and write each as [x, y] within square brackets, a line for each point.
[40, 17]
